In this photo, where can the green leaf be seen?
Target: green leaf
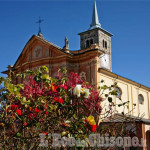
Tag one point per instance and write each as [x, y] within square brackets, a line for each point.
[15, 89]
[9, 86]
[63, 133]
[37, 125]
[45, 77]
[21, 86]
[37, 78]
[104, 87]
[113, 92]
[18, 134]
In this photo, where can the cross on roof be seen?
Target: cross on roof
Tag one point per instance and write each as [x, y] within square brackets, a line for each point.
[39, 22]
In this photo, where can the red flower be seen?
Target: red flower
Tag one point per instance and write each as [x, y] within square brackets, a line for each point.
[93, 128]
[42, 120]
[18, 111]
[64, 86]
[60, 100]
[54, 87]
[44, 132]
[64, 124]
[46, 112]
[25, 124]
[30, 116]
[85, 120]
[55, 98]
[13, 107]
[37, 110]
[34, 115]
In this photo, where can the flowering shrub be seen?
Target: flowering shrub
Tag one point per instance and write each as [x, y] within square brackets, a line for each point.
[42, 104]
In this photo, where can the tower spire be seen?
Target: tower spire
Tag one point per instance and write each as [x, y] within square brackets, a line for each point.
[95, 20]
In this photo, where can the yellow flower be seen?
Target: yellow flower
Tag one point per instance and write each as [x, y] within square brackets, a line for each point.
[91, 120]
[26, 106]
[82, 90]
[24, 100]
[46, 76]
[2, 124]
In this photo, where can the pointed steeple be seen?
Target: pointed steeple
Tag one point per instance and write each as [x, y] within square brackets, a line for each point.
[95, 20]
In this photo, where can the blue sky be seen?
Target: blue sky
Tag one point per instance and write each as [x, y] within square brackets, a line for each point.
[128, 21]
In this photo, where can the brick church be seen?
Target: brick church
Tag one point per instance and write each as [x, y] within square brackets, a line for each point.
[92, 62]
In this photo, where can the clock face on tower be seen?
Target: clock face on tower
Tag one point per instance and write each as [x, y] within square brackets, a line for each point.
[104, 61]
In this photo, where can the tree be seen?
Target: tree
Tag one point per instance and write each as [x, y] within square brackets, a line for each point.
[43, 105]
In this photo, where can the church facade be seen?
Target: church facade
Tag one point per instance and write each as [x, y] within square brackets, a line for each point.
[93, 63]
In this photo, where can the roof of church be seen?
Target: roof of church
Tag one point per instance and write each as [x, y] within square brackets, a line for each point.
[39, 38]
[49, 42]
[93, 48]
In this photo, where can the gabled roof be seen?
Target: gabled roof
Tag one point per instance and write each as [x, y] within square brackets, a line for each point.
[93, 48]
[72, 53]
[34, 37]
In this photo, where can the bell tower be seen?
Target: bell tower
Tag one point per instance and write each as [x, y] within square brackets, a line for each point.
[95, 34]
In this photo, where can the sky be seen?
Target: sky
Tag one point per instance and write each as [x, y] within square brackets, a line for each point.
[128, 21]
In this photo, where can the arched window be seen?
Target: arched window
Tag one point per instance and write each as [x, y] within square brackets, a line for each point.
[141, 98]
[105, 44]
[119, 92]
[91, 42]
[83, 76]
[87, 43]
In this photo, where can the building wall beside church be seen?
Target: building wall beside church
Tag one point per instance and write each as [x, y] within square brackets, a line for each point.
[130, 93]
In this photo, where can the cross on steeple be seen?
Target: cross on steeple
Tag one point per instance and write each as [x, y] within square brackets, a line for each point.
[39, 22]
